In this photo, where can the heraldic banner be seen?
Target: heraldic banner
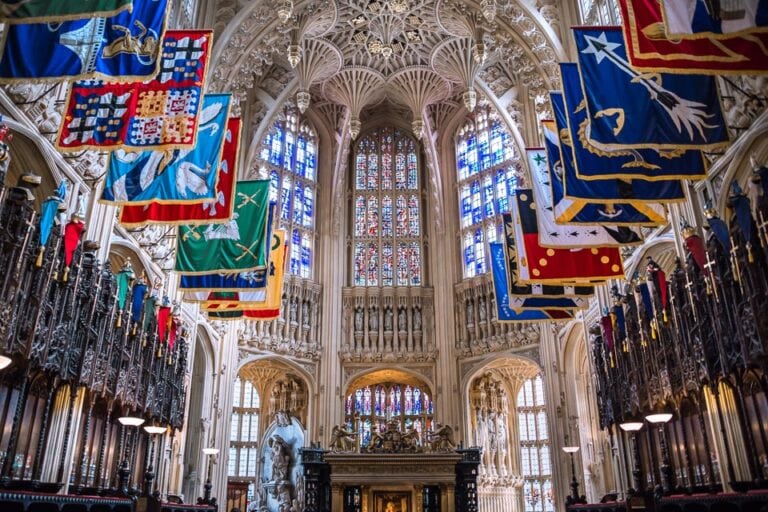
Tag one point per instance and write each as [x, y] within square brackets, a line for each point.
[38, 11]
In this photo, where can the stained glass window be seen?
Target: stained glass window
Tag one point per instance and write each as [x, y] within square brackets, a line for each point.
[372, 407]
[289, 152]
[600, 12]
[387, 248]
[244, 430]
[534, 447]
[487, 169]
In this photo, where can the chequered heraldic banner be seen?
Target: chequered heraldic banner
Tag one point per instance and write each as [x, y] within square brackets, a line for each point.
[178, 176]
[159, 114]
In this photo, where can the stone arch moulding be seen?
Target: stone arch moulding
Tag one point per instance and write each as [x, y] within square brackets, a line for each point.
[484, 363]
[309, 380]
[661, 249]
[363, 372]
[137, 255]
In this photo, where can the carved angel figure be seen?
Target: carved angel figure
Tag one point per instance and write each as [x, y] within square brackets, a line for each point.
[441, 440]
[342, 440]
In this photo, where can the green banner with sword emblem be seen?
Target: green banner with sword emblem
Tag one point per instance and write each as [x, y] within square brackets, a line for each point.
[44, 11]
[235, 246]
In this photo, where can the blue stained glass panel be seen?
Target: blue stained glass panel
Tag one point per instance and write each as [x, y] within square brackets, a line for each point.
[290, 149]
[301, 156]
[417, 401]
[274, 185]
[372, 276]
[479, 252]
[400, 171]
[360, 264]
[276, 154]
[402, 264]
[373, 216]
[306, 254]
[311, 166]
[413, 172]
[414, 259]
[477, 211]
[360, 172]
[414, 220]
[401, 229]
[386, 171]
[386, 264]
[298, 203]
[488, 196]
[295, 263]
[285, 199]
[309, 207]
[373, 171]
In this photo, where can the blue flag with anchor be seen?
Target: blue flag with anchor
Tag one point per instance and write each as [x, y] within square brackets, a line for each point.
[605, 190]
[632, 109]
[121, 48]
[174, 176]
[594, 161]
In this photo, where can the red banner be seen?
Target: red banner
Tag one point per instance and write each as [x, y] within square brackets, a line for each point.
[649, 49]
[196, 213]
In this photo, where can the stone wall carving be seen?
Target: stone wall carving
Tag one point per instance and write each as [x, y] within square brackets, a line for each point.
[297, 332]
[388, 325]
[478, 330]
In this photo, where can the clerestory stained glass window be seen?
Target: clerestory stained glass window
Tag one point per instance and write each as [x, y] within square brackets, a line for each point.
[289, 156]
[387, 245]
[487, 169]
[534, 447]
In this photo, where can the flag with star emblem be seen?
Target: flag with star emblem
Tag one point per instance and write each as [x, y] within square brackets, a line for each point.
[537, 264]
[159, 114]
[505, 313]
[552, 234]
[124, 47]
[650, 46]
[599, 161]
[44, 11]
[175, 176]
[605, 191]
[219, 209]
[631, 110]
[236, 246]
[583, 211]
[536, 301]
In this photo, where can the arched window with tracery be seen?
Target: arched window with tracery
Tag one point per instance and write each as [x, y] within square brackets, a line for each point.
[387, 232]
[487, 169]
[600, 12]
[371, 407]
[536, 459]
[244, 431]
[289, 157]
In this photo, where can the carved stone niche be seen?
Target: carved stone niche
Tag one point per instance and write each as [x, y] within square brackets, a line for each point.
[388, 325]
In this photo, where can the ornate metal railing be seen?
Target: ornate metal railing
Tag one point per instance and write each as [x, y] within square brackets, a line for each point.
[695, 345]
[79, 359]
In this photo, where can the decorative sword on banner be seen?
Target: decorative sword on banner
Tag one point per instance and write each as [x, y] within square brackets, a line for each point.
[684, 113]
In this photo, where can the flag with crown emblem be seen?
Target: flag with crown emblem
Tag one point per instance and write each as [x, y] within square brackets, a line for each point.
[236, 246]
[589, 211]
[219, 209]
[552, 234]
[537, 264]
[650, 47]
[158, 114]
[628, 109]
[504, 312]
[43, 11]
[121, 48]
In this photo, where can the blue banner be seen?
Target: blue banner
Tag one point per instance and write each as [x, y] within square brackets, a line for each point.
[125, 47]
[580, 211]
[176, 176]
[607, 190]
[596, 162]
[632, 109]
[238, 282]
[503, 311]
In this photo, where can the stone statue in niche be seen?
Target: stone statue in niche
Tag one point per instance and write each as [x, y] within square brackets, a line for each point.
[373, 319]
[388, 318]
[416, 319]
[305, 313]
[358, 319]
[481, 309]
[281, 459]
[294, 310]
[401, 319]
[470, 312]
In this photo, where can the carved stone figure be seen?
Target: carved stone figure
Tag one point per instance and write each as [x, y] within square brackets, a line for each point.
[373, 319]
[416, 319]
[280, 454]
[401, 319]
[441, 440]
[358, 319]
[388, 319]
[481, 309]
[342, 440]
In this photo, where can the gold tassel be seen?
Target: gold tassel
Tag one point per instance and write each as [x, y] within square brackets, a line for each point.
[65, 277]
[159, 352]
[750, 256]
[625, 346]
[134, 329]
[613, 364]
[653, 330]
[664, 315]
[39, 261]
[119, 319]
